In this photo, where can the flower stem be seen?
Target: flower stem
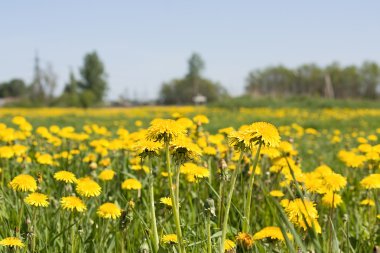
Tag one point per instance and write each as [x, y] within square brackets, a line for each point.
[175, 200]
[228, 204]
[153, 211]
[208, 224]
[247, 209]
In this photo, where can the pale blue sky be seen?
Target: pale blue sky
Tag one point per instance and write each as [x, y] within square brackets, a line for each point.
[144, 43]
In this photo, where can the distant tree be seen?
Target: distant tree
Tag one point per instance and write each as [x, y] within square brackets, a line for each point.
[196, 66]
[49, 80]
[36, 90]
[369, 74]
[309, 79]
[93, 78]
[13, 88]
[70, 95]
[183, 90]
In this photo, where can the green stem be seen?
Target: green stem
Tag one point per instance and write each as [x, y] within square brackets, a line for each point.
[72, 233]
[155, 238]
[209, 245]
[330, 223]
[247, 209]
[175, 201]
[228, 204]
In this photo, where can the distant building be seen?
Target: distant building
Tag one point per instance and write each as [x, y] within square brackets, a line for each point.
[199, 99]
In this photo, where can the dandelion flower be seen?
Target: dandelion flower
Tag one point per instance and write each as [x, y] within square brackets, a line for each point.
[23, 183]
[65, 176]
[371, 182]
[299, 210]
[183, 149]
[73, 203]
[201, 119]
[131, 184]
[37, 199]
[367, 202]
[276, 193]
[45, 159]
[106, 175]
[165, 130]
[166, 201]
[147, 148]
[109, 211]
[12, 242]
[266, 133]
[273, 233]
[88, 188]
[229, 245]
[245, 240]
[169, 239]
[330, 197]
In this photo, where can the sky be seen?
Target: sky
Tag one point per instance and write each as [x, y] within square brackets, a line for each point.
[145, 43]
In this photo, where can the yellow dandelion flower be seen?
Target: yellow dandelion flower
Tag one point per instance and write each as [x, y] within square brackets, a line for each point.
[371, 182]
[73, 203]
[147, 148]
[226, 131]
[273, 233]
[299, 210]
[211, 151]
[367, 202]
[244, 240]
[165, 130]
[201, 119]
[23, 183]
[183, 149]
[6, 152]
[333, 182]
[65, 176]
[169, 239]
[45, 159]
[88, 188]
[166, 201]
[229, 245]
[131, 184]
[106, 175]
[185, 122]
[276, 193]
[330, 197]
[109, 211]
[266, 133]
[37, 199]
[12, 242]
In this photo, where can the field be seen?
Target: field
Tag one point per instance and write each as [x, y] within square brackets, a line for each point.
[190, 179]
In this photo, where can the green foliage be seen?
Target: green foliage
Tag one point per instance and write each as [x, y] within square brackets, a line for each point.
[182, 91]
[13, 88]
[332, 81]
[93, 77]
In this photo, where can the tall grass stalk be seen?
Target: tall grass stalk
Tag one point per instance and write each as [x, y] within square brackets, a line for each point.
[247, 209]
[228, 203]
[174, 200]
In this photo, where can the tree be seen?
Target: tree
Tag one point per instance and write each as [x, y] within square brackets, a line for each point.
[183, 90]
[70, 95]
[13, 88]
[49, 80]
[93, 78]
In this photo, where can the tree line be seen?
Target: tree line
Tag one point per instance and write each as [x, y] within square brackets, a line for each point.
[332, 81]
[89, 89]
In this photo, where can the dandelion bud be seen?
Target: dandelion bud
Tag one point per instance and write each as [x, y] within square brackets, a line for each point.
[144, 248]
[93, 166]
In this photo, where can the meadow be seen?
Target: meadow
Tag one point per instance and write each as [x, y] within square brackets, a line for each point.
[190, 179]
